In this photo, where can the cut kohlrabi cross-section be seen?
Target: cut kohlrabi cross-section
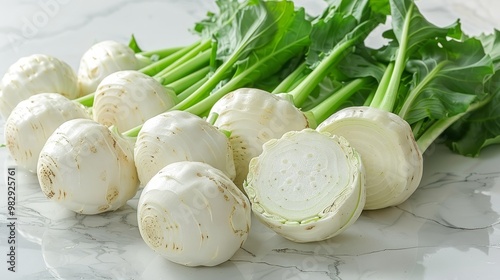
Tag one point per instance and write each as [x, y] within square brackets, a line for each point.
[306, 186]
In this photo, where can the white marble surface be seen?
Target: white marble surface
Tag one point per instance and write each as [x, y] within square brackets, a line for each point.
[449, 229]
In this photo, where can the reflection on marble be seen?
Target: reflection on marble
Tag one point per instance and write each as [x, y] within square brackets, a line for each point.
[449, 229]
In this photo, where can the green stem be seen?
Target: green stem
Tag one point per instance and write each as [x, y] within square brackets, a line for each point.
[302, 91]
[190, 90]
[161, 53]
[369, 98]
[418, 89]
[289, 81]
[391, 92]
[416, 127]
[201, 47]
[161, 64]
[207, 103]
[133, 132]
[86, 100]
[188, 67]
[330, 105]
[382, 87]
[182, 84]
[219, 74]
[435, 130]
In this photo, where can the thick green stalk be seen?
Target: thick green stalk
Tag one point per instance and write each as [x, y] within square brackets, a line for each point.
[86, 100]
[188, 67]
[435, 130]
[369, 98]
[161, 64]
[182, 84]
[391, 92]
[203, 46]
[382, 87]
[219, 75]
[191, 89]
[207, 103]
[330, 105]
[302, 91]
[418, 89]
[161, 53]
[290, 80]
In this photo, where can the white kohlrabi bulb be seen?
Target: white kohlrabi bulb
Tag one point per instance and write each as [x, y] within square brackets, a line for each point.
[126, 99]
[38, 73]
[254, 117]
[193, 214]
[87, 168]
[32, 122]
[102, 59]
[391, 156]
[307, 186]
[180, 136]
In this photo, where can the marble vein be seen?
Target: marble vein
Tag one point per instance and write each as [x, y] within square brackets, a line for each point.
[447, 225]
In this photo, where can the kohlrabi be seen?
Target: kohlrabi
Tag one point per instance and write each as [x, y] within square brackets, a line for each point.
[254, 117]
[32, 122]
[126, 99]
[307, 186]
[102, 59]
[38, 73]
[192, 214]
[181, 136]
[87, 168]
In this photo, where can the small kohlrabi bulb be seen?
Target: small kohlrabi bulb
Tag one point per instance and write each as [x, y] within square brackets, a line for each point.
[30, 75]
[126, 99]
[254, 117]
[32, 122]
[192, 214]
[180, 136]
[385, 141]
[87, 167]
[102, 59]
[307, 186]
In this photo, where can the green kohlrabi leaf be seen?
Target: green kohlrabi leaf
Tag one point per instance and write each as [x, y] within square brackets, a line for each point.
[409, 25]
[251, 27]
[359, 9]
[290, 40]
[447, 77]
[479, 129]
[344, 21]
[134, 45]
[333, 36]
[491, 43]
[290, 36]
[410, 29]
[207, 27]
[381, 6]
[359, 64]
[326, 35]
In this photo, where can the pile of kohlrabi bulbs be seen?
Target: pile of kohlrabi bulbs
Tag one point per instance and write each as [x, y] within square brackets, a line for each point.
[271, 112]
